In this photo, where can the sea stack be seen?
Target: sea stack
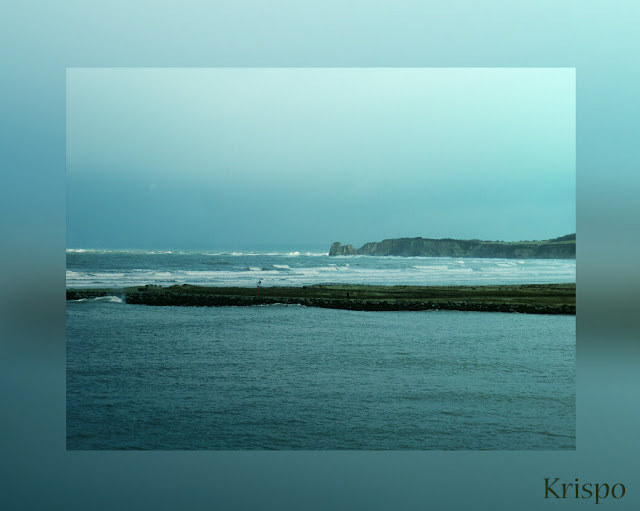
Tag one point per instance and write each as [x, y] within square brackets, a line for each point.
[338, 249]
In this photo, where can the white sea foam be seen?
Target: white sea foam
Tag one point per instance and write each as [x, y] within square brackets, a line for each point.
[110, 299]
[237, 253]
[305, 270]
[158, 274]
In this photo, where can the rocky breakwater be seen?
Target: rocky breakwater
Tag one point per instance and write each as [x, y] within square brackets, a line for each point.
[524, 298]
[531, 299]
[558, 248]
[204, 300]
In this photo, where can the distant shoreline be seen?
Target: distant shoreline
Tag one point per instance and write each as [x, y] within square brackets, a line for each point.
[522, 298]
[563, 247]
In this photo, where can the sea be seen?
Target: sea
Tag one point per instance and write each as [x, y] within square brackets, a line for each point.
[280, 377]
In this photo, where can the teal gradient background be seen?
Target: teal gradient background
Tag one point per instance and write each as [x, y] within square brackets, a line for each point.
[39, 40]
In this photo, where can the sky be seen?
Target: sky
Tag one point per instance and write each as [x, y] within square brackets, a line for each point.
[297, 158]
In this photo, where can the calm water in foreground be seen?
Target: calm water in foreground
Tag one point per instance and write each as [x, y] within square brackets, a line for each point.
[278, 377]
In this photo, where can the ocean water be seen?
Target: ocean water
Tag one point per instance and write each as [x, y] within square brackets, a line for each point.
[293, 377]
[119, 268]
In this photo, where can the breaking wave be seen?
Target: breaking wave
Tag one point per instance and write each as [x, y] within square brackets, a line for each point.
[118, 270]
[110, 299]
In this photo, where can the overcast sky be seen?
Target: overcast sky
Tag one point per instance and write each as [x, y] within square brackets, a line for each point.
[298, 158]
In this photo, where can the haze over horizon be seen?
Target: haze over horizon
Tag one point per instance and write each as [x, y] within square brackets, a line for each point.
[266, 247]
[295, 159]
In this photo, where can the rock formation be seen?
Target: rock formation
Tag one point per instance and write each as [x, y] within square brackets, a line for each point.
[338, 249]
[558, 248]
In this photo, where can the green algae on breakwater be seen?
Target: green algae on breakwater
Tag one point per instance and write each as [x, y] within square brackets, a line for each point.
[523, 298]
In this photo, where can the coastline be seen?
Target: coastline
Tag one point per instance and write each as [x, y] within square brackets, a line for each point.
[521, 298]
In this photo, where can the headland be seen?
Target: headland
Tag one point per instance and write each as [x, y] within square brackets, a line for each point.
[563, 247]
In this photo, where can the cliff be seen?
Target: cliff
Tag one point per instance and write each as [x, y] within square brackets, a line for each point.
[563, 247]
